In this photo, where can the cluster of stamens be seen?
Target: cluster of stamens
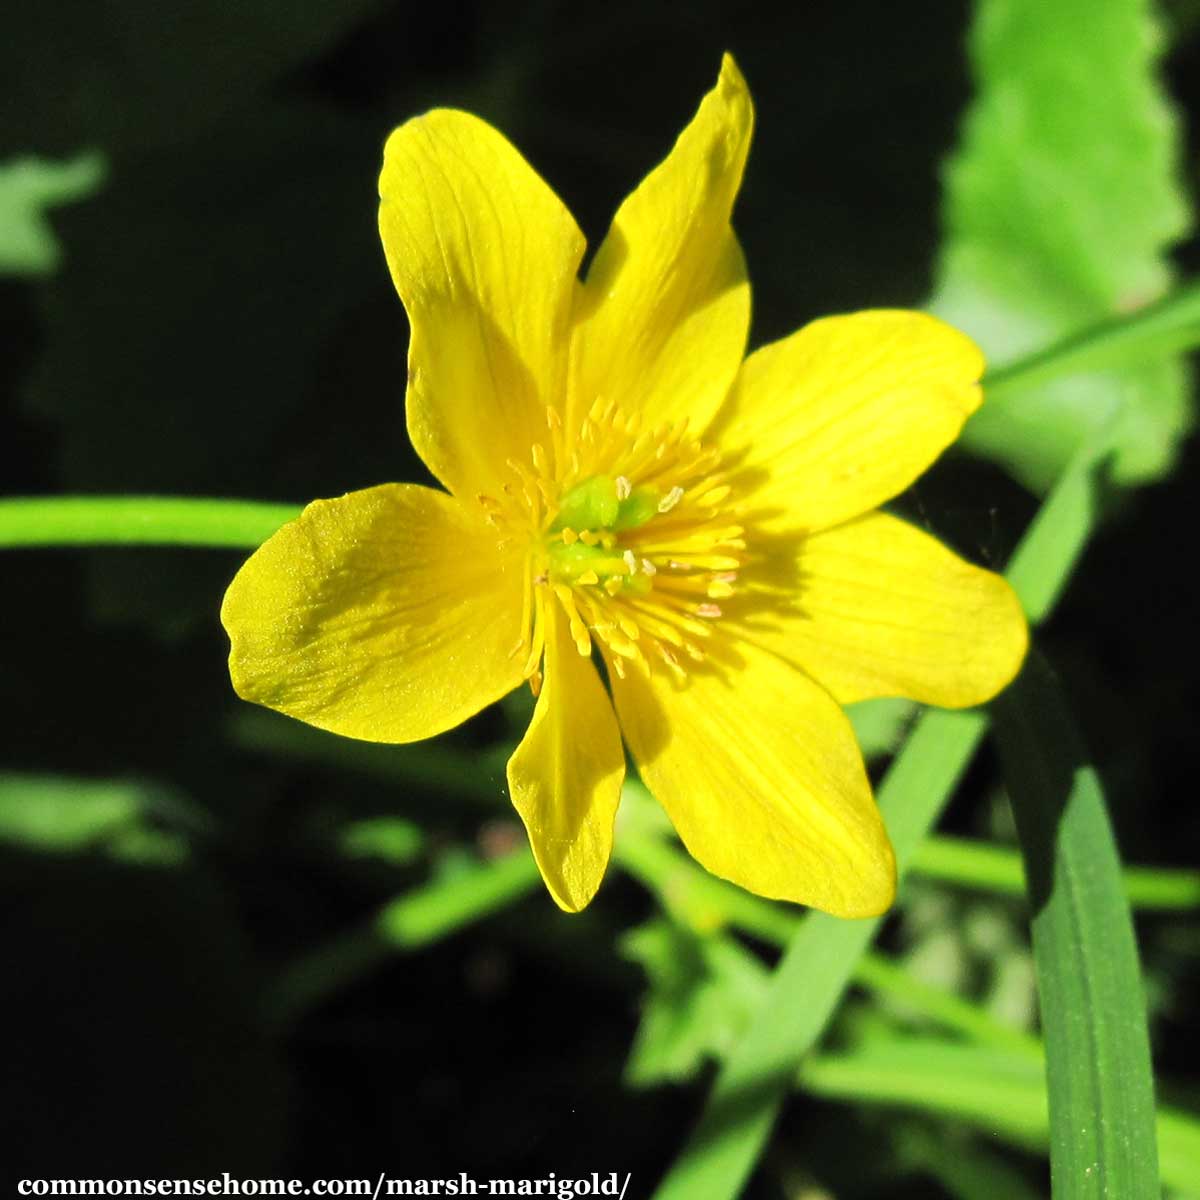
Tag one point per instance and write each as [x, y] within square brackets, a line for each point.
[629, 532]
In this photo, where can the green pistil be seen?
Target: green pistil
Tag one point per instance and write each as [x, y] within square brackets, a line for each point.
[637, 508]
[596, 511]
[592, 504]
[596, 504]
[567, 563]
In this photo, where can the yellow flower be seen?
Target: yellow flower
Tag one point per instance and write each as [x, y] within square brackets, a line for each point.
[619, 481]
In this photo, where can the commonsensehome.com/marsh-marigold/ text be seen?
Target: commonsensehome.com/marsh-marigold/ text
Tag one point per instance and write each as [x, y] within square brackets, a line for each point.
[550, 1185]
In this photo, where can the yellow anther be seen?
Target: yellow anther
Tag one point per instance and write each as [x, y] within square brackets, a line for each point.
[719, 590]
[624, 488]
[579, 635]
[570, 537]
[588, 577]
[649, 567]
[588, 538]
[630, 561]
[613, 584]
[708, 610]
[538, 454]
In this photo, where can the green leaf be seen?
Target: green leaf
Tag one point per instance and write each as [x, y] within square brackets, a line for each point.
[29, 186]
[1093, 1006]
[1060, 204]
[703, 992]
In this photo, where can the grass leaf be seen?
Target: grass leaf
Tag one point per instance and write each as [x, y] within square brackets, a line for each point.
[1101, 1086]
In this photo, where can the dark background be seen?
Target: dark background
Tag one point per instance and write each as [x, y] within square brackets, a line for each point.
[223, 324]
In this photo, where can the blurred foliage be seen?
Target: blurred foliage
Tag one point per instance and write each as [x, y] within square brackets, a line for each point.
[703, 992]
[28, 186]
[215, 318]
[50, 813]
[1061, 202]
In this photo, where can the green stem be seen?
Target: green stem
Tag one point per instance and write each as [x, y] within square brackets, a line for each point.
[984, 867]
[885, 978]
[1169, 326]
[138, 521]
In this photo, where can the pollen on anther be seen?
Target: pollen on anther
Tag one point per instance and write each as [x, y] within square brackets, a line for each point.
[630, 561]
[708, 610]
[671, 499]
[624, 488]
[649, 567]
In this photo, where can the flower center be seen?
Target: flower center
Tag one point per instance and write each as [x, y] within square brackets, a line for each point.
[632, 536]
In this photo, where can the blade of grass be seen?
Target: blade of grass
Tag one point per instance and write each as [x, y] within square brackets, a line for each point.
[819, 963]
[1098, 1072]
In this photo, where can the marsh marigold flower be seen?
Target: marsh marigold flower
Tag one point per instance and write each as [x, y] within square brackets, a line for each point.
[621, 487]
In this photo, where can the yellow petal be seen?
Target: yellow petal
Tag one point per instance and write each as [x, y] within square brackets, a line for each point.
[565, 776]
[388, 615]
[666, 306]
[878, 608]
[760, 773]
[485, 257]
[847, 412]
